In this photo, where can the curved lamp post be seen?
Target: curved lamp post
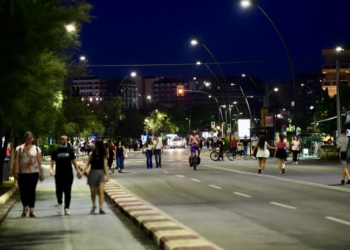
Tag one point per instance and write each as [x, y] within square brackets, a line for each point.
[132, 74]
[246, 100]
[244, 75]
[267, 97]
[195, 42]
[247, 3]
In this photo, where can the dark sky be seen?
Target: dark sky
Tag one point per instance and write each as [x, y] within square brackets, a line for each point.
[126, 32]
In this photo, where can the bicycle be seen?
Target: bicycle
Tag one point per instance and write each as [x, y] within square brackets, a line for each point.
[215, 155]
[195, 161]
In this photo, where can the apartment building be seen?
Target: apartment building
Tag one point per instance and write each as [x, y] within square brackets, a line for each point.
[329, 69]
[90, 88]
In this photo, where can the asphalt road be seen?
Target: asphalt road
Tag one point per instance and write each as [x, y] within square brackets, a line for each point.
[234, 207]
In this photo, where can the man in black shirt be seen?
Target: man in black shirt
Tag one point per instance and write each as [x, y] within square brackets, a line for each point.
[63, 157]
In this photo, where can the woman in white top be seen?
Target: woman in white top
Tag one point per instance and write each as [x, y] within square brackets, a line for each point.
[149, 147]
[295, 144]
[26, 171]
[263, 153]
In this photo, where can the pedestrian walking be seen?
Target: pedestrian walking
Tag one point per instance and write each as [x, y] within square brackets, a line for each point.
[27, 171]
[253, 142]
[158, 150]
[343, 146]
[110, 154]
[98, 174]
[295, 146]
[281, 153]
[149, 148]
[120, 155]
[245, 142]
[233, 145]
[76, 147]
[63, 157]
[262, 150]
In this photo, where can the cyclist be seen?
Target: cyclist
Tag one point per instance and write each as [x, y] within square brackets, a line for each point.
[194, 144]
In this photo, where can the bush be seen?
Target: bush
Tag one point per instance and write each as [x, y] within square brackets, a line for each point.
[330, 156]
[47, 149]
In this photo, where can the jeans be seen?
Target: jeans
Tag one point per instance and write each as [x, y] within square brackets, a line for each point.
[158, 157]
[27, 188]
[64, 185]
[295, 155]
[233, 151]
[120, 162]
[149, 158]
[245, 150]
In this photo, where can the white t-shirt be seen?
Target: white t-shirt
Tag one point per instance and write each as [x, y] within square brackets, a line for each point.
[295, 145]
[158, 144]
[254, 141]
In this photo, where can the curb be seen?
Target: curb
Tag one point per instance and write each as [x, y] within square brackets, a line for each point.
[164, 231]
[6, 196]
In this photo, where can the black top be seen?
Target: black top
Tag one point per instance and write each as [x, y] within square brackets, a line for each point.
[245, 142]
[97, 162]
[63, 158]
[120, 152]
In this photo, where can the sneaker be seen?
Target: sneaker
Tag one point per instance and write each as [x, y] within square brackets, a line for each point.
[342, 182]
[102, 212]
[259, 171]
[60, 209]
[66, 211]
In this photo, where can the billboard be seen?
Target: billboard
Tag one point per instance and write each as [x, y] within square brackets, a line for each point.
[243, 128]
[269, 121]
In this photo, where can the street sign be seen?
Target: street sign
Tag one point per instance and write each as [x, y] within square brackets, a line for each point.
[212, 124]
[269, 121]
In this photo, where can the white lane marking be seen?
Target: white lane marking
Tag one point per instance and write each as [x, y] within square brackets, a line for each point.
[195, 180]
[282, 205]
[180, 176]
[347, 190]
[338, 220]
[166, 172]
[215, 187]
[244, 195]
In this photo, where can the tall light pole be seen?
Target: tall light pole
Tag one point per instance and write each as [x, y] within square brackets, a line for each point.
[244, 75]
[338, 49]
[207, 84]
[247, 3]
[266, 101]
[246, 101]
[132, 74]
[197, 41]
[189, 126]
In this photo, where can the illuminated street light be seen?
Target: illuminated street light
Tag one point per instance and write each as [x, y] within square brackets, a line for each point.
[70, 28]
[247, 3]
[132, 74]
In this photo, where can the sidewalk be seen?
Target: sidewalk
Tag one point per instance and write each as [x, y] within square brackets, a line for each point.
[80, 230]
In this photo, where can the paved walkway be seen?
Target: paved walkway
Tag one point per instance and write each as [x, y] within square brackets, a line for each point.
[80, 230]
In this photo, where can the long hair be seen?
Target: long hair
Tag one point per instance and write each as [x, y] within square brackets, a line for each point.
[110, 144]
[261, 142]
[99, 149]
[149, 141]
[281, 137]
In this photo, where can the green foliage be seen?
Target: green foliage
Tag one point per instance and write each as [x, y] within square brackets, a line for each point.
[306, 141]
[330, 156]
[159, 121]
[34, 49]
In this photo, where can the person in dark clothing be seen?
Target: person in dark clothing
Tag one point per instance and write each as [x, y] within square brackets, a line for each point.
[245, 142]
[221, 148]
[98, 174]
[63, 157]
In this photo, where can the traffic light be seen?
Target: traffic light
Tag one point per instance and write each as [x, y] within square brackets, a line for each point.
[180, 90]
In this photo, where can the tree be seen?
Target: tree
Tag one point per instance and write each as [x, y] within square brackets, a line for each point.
[159, 121]
[34, 50]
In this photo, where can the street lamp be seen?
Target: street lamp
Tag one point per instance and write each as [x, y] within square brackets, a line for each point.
[189, 126]
[81, 58]
[70, 28]
[244, 75]
[195, 42]
[304, 85]
[247, 3]
[149, 98]
[266, 101]
[338, 49]
[132, 74]
[246, 100]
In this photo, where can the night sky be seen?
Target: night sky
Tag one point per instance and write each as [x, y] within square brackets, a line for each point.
[125, 32]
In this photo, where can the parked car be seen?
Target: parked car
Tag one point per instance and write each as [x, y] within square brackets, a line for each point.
[177, 143]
